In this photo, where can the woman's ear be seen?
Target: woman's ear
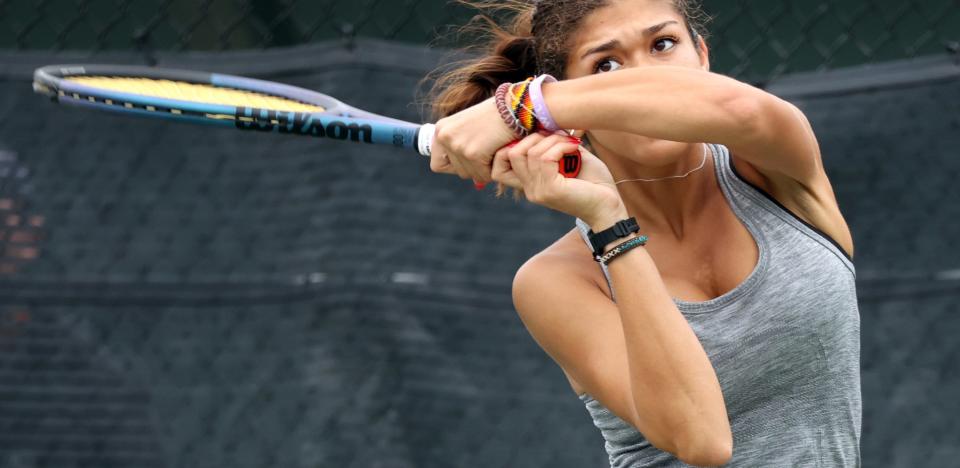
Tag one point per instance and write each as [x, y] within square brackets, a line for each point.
[704, 53]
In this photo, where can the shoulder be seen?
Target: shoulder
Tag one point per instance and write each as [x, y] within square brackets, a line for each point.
[564, 264]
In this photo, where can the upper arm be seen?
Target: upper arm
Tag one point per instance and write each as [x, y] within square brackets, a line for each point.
[578, 326]
[783, 153]
[779, 141]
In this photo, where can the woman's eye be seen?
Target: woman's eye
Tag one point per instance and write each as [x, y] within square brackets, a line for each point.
[664, 44]
[606, 65]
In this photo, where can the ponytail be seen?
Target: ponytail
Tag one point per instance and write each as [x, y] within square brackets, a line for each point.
[508, 55]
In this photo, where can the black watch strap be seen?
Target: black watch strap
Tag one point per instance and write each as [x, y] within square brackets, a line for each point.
[623, 228]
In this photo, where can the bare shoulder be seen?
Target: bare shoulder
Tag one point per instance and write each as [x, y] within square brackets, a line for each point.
[563, 301]
[556, 288]
[566, 260]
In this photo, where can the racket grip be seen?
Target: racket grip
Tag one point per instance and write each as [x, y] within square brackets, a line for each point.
[569, 164]
[425, 139]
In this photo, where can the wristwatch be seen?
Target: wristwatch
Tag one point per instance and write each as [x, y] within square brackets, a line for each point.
[599, 240]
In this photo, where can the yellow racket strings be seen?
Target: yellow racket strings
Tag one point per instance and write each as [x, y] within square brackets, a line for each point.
[193, 92]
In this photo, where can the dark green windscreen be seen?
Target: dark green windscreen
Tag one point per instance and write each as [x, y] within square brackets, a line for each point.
[753, 39]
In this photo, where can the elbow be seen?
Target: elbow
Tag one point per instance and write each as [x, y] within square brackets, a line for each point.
[748, 113]
[701, 446]
[717, 452]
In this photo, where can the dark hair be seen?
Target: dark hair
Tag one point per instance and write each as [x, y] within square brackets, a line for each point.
[534, 41]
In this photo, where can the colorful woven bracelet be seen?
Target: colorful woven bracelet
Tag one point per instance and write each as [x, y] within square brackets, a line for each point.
[500, 97]
[540, 106]
[521, 105]
[621, 249]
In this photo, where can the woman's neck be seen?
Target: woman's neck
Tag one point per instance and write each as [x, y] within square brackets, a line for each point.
[668, 206]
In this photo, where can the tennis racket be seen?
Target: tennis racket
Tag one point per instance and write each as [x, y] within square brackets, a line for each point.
[233, 101]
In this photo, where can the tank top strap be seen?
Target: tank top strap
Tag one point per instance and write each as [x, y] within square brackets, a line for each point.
[753, 203]
[760, 211]
[584, 230]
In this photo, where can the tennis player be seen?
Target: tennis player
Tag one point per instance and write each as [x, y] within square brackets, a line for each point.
[703, 307]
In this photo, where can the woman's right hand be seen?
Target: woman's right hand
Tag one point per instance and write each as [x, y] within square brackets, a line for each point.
[532, 164]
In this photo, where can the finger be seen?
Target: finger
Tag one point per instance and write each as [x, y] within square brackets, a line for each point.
[544, 169]
[554, 153]
[439, 162]
[502, 170]
[517, 154]
[547, 164]
[479, 167]
[548, 142]
[458, 165]
[570, 164]
[548, 146]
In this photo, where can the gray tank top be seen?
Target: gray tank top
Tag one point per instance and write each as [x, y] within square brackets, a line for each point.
[785, 344]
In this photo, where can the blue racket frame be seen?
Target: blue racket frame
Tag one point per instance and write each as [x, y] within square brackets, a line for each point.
[339, 121]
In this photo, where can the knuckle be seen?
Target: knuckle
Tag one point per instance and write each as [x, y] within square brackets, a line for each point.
[471, 153]
[440, 131]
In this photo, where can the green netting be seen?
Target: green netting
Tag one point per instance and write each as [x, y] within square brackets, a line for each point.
[757, 40]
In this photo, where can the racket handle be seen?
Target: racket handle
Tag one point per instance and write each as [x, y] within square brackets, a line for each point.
[569, 164]
[425, 139]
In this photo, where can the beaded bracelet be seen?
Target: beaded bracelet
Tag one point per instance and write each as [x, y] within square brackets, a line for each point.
[521, 105]
[500, 97]
[540, 106]
[621, 249]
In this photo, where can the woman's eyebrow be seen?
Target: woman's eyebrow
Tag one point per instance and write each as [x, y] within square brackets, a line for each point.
[613, 44]
[609, 45]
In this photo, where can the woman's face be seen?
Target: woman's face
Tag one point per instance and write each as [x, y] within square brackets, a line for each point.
[629, 34]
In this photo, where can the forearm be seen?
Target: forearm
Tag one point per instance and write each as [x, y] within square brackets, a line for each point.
[675, 388]
[662, 102]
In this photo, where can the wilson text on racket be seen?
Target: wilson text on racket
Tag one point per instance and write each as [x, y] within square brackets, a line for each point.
[304, 123]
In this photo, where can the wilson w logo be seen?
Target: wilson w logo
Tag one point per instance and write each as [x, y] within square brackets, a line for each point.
[570, 165]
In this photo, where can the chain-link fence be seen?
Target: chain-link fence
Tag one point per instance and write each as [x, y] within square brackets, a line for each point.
[755, 39]
[178, 296]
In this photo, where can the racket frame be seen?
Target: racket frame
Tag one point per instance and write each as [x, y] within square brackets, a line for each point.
[338, 120]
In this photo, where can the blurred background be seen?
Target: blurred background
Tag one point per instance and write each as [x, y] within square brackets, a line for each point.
[179, 296]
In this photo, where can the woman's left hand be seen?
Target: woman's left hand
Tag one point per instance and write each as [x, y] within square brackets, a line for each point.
[532, 165]
[465, 142]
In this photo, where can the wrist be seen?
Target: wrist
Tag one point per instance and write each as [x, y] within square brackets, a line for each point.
[508, 128]
[602, 241]
[540, 109]
[603, 221]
